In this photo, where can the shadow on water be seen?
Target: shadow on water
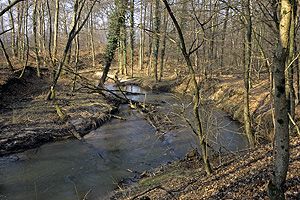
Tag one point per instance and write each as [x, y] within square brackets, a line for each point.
[70, 169]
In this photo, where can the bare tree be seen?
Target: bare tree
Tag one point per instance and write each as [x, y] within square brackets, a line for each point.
[197, 99]
[74, 31]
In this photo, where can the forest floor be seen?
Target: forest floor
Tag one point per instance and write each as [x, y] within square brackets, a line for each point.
[28, 120]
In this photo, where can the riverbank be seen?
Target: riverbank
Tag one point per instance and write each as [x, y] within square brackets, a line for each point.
[28, 120]
[240, 176]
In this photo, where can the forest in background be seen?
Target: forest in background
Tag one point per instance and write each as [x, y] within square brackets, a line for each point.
[255, 42]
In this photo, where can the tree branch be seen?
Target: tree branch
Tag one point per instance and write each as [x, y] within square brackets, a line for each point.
[10, 6]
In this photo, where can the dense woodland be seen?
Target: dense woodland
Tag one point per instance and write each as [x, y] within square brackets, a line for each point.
[253, 41]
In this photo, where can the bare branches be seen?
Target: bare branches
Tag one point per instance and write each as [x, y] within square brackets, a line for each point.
[3, 32]
[71, 36]
[9, 7]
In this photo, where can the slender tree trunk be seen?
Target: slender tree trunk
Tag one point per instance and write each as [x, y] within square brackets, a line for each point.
[92, 40]
[35, 35]
[141, 46]
[224, 30]
[247, 67]
[132, 38]
[26, 38]
[77, 44]
[69, 55]
[40, 30]
[55, 34]
[19, 40]
[76, 41]
[197, 53]
[156, 38]
[163, 49]
[211, 49]
[120, 57]
[13, 31]
[50, 34]
[281, 140]
[297, 64]
[150, 42]
[24, 34]
[123, 50]
[43, 32]
[124, 40]
[290, 91]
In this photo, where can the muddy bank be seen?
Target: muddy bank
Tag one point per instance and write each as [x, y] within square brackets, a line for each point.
[227, 94]
[186, 179]
[28, 120]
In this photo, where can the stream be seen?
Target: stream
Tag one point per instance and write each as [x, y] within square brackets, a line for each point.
[72, 169]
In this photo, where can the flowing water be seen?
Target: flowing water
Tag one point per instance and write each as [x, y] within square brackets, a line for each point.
[71, 169]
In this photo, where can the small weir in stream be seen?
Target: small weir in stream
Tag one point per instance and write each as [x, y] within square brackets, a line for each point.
[71, 169]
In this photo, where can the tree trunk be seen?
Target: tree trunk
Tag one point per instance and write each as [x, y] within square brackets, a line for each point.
[224, 35]
[281, 140]
[247, 67]
[297, 64]
[150, 42]
[13, 32]
[55, 34]
[19, 40]
[156, 38]
[123, 50]
[124, 41]
[92, 40]
[120, 57]
[35, 35]
[117, 19]
[131, 36]
[290, 91]
[77, 48]
[142, 35]
[163, 49]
